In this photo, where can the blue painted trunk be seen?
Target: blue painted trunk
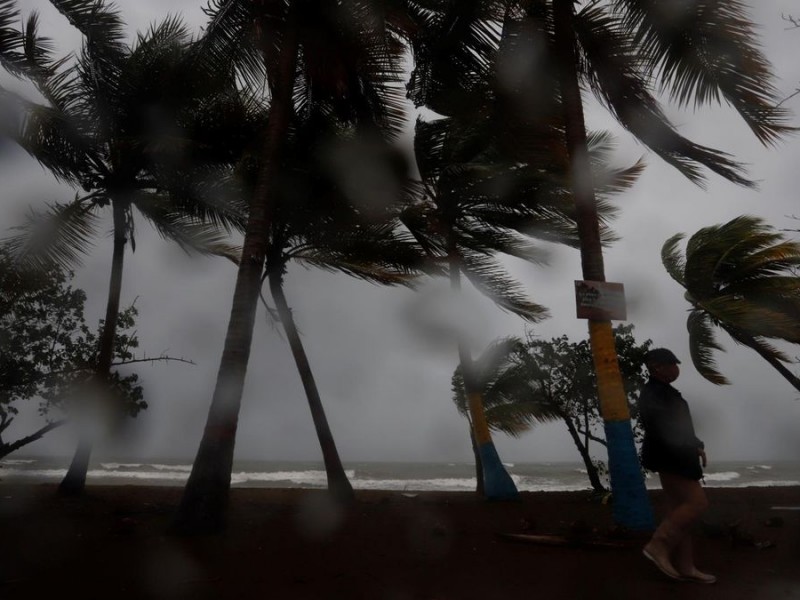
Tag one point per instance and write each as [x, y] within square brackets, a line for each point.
[497, 483]
[630, 503]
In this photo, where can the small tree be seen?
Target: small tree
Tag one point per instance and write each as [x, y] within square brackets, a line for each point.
[563, 376]
[47, 351]
[541, 380]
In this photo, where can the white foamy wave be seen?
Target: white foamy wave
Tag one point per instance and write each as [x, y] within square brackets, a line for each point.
[120, 465]
[723, 476]
[773, 483]
[157, 475]
[762, 467]
[184, 468]
[34, 473]
[446, 484]
[17, 461]
[508, 465]
[543, 484]
[312, 478]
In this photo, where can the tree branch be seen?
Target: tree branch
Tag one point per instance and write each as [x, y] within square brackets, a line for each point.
[6, 449]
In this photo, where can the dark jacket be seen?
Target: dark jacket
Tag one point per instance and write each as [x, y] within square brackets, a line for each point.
[670, 444]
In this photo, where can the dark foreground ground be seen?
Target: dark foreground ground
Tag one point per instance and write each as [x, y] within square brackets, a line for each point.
[291, 544]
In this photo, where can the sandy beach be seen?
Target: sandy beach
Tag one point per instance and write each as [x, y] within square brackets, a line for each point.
[292, 544]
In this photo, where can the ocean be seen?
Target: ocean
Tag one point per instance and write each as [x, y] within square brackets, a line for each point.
[444, 476]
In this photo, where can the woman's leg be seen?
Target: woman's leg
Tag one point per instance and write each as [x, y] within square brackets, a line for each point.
[686, 502]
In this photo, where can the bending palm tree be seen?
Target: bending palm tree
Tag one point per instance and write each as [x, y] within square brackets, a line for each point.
[94, 134]
[702, 52]
[343, 55]
[740, 277]
[316, 223]
[508, 409]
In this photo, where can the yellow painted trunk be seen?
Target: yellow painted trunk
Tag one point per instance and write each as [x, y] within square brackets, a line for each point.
[479, 424]
[610, 389]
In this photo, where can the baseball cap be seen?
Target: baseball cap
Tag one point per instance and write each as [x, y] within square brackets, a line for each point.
[661, 356]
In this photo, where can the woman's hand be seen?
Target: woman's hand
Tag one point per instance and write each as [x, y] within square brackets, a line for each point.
[702, 454]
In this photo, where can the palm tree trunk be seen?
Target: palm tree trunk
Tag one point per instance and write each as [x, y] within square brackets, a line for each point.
[338, 484]
[74, 481]
[631, 505]
[497, 483]
[591, 469]
[776, 364]
[479, 487]
[205, 497]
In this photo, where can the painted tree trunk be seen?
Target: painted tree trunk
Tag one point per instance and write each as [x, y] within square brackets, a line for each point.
[631, 505]
[74, 481]
[205, 497]
[479, 487]
[591, 469]
[338, 484]
[497, 483]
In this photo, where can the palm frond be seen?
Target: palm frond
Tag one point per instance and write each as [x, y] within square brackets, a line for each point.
[672, 260]
[495, 358]
[454, 53]
[758, 320]
[100, 24]
[12, 57]
[187, 231]
[705, 52]
[230, 43]
[492, 280]
[54, 139]
[612, 69]
[758, 344]
[702, 345]
[59, 236]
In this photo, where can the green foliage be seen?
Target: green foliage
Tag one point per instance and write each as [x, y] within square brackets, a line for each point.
[739, 276]
[47, 351]
[538, 381]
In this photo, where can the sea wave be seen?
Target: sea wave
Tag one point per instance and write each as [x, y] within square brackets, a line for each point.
[723, 476]
[770, 483]
[17, 461]
[184, 468]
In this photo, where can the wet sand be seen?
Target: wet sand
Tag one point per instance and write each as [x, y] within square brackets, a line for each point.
[293, 544]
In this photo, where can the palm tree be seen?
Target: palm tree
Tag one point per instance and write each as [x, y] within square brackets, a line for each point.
[495, 166]
[317, 223]
[344, 56]
[740, 277]
[507, 408]
[701, 52]
[96, 132]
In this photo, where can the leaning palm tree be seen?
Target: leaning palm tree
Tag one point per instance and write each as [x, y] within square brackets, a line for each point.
[493, 175]
[508, 409]
[99, 129]
[317, 223]
[345, 55]
[700, 52]
[740, 277]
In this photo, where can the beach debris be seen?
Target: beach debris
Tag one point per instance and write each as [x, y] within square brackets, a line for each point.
[563, 540]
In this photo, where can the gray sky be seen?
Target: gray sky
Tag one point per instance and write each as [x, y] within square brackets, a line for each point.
[384, 383]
